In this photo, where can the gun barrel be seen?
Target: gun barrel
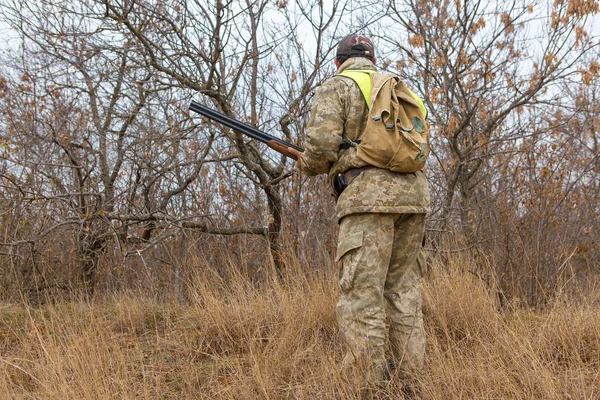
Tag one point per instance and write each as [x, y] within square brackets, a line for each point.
[238, 126]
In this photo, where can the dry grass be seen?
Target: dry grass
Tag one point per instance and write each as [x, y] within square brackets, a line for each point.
[239, 340]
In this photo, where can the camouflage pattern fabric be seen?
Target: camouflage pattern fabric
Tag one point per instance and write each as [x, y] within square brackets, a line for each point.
[382, 191]
[380, 262]
[340, 112]
[382, 219]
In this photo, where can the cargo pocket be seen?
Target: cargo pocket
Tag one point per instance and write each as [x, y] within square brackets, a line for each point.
[346, 258]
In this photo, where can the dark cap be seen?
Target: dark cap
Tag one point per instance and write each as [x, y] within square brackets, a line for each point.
[355, 46]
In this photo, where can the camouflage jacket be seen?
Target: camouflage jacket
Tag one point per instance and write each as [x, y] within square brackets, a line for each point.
[339, 111]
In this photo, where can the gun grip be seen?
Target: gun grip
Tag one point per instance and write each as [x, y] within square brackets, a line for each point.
[281, 148]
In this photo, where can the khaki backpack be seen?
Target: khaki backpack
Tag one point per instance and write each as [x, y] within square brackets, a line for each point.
[396, 136]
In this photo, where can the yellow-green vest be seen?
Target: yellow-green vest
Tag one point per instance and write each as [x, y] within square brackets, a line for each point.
[365, 83]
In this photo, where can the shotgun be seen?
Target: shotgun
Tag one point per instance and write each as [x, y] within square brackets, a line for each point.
[276, 144]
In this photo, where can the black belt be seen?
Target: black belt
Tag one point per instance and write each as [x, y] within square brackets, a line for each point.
[344, 179]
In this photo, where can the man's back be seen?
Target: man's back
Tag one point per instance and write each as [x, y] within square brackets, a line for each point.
[339, 115]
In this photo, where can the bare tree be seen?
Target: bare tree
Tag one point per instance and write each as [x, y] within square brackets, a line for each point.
[481, 66]
[86, 132]
[228, 52]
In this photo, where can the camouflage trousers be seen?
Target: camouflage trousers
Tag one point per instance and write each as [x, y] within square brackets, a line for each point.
[381, 263]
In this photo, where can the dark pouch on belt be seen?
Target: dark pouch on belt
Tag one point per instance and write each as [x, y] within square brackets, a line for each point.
[339, 184]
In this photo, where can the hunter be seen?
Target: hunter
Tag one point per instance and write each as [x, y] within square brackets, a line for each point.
[381, 216]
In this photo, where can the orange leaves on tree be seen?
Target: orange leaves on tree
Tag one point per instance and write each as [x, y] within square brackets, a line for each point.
[477, 26]
[575, 9]
[462, 58]
[453, 123]
[580, 34]
[424, 5]
[508, 23]
[435, 95]
[550, 60]
[483, 114]
[588, 75]
[416, 40]
[558, 19]
[25, 88]
[483, 142]
[440, 61]
[3, 87]
[509, 82]
[581, 8]
[401, 64]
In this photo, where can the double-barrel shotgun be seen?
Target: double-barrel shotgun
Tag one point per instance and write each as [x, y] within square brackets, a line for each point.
[273, 142]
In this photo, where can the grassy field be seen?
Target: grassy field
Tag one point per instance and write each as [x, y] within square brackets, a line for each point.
[240, 340]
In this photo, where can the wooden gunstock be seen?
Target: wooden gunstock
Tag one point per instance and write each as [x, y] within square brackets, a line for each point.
[281, 148]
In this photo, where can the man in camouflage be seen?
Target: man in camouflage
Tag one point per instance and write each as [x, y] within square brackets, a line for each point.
[382, 219]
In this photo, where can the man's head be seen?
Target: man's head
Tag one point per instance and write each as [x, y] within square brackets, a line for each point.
[354, 46]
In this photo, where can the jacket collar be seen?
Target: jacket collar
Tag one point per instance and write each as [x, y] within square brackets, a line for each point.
[357, 63]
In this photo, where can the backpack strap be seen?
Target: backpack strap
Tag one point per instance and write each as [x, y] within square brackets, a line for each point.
[346, 145]
[364, 81]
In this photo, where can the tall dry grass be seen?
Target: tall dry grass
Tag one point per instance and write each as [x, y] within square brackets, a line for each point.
[236, 339]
